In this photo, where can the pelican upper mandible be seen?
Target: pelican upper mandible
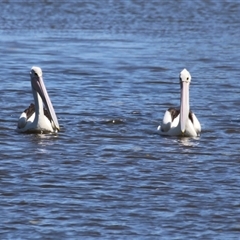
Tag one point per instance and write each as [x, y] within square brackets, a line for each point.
[37, 118]
[181, 122]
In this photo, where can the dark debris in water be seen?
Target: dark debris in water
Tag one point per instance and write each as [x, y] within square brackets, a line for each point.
[233, 130]
[114, 121]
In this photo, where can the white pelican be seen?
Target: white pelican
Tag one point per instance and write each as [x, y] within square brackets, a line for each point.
[36, 118]
[181, 122]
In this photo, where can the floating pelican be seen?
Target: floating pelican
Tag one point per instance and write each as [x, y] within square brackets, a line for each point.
[181, 122]
[36, 118]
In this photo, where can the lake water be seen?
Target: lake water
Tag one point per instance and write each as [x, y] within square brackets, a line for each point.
[111, 69]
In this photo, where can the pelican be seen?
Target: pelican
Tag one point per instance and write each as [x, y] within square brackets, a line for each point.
[181, 122]
[36, 118]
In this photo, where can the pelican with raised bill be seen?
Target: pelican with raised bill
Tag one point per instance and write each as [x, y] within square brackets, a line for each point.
[181, 122]
[39, 117]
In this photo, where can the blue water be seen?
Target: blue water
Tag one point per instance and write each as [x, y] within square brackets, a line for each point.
[111, 69]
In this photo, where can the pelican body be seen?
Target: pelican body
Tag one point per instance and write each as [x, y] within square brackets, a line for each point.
[181, 122]
[39, 117]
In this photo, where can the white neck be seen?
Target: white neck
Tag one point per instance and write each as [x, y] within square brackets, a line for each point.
[38, 105]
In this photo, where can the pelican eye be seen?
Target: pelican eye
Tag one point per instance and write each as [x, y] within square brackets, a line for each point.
[35, 74]
[187, 78]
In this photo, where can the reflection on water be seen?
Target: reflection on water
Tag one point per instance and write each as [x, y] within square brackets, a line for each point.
[43, 140]
[111, 69]
[188, 142]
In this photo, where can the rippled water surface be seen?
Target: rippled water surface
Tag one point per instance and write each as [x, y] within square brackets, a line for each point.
[111, 69]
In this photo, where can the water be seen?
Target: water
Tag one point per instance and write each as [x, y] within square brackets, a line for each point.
[111, 69]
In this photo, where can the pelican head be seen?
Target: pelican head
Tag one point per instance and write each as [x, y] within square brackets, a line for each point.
[185, 79]
[39, 87]
[185, 76]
